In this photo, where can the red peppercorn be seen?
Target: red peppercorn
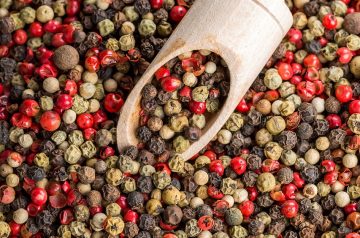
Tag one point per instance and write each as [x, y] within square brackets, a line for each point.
[352, 207]
[354, 107]
[214, 192]
[19, 37]
[343, 93]
[4, 50]
[217, 167]
[162, 72]
[108, 58]
[177, 13]
[52, 26]
[345, 55]
[131, 216]
[290, 208]
[294, 35]
[113, 102]
[247, 208]
[210, 154]
[334, 120]
[89, 133]
[289, 190]
[64, 101]
[312, 61]
[85, 120]
[73, 7]
[66, 187]
[170, 83]
[92, 64]
[46, 70]
[106, 152]
[7, 194]
[205, 223]
[29, 107]
[33, 209]
[197, 107]
[68, 31]
[270, 165]
[319, 87]
[330, 177]
[58, 40]
[271, 95]
[311, 74]
[15, 228]
[53, 188]
[50, 120]
[95, 210]
[278, 196]
[328, 166]
[238, 164]
[58, 200]
[66, 216]
[70, 87]
[242, 106]
[39, 196]
[329, 21]
[36, 29]
[306, 90]
[285, 71]
[163, 167]
[298, 181]
[156, 4]
[352, 235]
[185, 93]
[169, 235]
[122, 203]
[252, 193]
[20, 120]
[296, 79]
[166, 227]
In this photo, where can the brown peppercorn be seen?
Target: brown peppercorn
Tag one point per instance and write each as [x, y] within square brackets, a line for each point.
[352, 23]
[110, 193]
[7, 25]
[192, 133]
[332, 105]
[263, 106]
[285, 175]
[86, 174]
[154, 124]
[307, 112]
[65, 57]
[131, 230]
[353, 220]
[149, 91]
[172, 215]
[94, 198]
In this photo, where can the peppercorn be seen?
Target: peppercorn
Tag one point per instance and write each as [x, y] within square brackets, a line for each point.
[265, 182]
[65, 57]
[351, 23]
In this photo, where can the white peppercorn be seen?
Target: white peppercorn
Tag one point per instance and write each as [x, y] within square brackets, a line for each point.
[342, 199]
[51, 85]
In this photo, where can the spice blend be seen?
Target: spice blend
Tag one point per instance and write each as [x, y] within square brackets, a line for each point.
[285, 164]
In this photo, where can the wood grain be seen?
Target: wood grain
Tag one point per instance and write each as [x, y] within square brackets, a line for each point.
[244, 33]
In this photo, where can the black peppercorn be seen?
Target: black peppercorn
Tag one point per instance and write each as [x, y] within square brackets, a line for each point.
[256, 227]
[337, 216]
[310, 173]
[147, 222]
[135, 200]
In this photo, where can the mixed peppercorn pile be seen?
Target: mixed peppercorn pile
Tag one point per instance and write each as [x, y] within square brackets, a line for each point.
[285, 164]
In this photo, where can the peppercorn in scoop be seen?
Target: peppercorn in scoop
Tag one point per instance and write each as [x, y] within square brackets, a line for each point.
[180, 99]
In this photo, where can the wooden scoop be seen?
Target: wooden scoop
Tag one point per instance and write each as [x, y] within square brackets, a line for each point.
[244, 33]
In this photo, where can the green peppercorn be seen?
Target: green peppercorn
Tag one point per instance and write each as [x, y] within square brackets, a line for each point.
[180, 144]
[27, 15]
[233, 216]
[265, 182]
[105, 27]
[164, 29]
[170, 195]
[130, 13]
[275, 125]
[355, 66]
[238, 232]
[272, 79]
[127, 42]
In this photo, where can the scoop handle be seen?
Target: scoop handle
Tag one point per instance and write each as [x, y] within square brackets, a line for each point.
[244, 33]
